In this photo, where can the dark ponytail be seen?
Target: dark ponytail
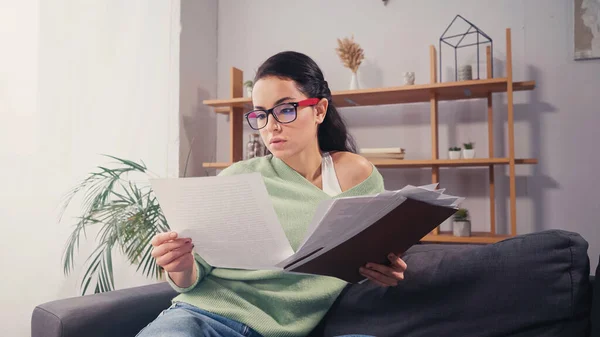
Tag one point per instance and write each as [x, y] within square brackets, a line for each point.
[332, 133]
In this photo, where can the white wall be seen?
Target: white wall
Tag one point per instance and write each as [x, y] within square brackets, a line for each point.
[198, 81]
[556, 123]
[78, 79]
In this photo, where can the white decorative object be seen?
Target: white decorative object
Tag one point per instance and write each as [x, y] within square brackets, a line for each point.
[249, 91]
[468, 153]
[454, 153]
[409, 78]
[465, 73]
[469, 150]
[461, 225]
[461, 228]
[354, 82]
[351, 55]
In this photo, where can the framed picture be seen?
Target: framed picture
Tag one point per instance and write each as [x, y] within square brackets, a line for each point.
[586, 29]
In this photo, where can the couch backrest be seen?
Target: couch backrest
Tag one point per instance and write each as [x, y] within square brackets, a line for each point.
[531, 285]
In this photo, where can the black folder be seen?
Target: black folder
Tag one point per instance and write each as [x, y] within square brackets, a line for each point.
[395, 232]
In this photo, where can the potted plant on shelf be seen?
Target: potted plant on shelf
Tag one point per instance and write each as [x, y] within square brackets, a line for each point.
[469, 151]
[461, 223]
[249, 84]
[454, 152]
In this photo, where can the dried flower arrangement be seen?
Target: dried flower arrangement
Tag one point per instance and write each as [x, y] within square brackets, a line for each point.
[350, 53]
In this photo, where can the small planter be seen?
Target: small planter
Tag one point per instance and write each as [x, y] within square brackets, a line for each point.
[469, 150]
[461, 225]
[461, 228]
[454, 153]
[469, 153]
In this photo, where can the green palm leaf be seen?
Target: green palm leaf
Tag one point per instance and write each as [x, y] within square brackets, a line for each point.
[127, 217]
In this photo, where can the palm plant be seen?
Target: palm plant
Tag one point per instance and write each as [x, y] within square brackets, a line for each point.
[127, 215]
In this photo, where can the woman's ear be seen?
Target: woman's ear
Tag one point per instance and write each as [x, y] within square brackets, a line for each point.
[321, 109]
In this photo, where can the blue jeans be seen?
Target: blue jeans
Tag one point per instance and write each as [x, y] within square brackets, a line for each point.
[184, 320]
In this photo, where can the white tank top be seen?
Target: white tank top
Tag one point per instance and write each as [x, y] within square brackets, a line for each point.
[331, 184]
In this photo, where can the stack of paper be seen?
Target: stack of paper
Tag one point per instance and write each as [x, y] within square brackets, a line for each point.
[222, 214]
[340, 219]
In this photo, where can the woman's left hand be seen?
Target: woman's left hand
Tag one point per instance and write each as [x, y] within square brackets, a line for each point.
[385, 276]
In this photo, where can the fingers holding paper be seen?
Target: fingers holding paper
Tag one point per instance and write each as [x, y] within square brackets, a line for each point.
[171, 253]
[385, 276]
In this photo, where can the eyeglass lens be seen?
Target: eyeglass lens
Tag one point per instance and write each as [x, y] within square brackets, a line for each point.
[284, 113]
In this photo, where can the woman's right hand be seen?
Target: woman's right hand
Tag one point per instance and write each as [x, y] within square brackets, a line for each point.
[173, 254]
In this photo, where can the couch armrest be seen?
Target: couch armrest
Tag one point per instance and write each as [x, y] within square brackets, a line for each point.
[119, 313]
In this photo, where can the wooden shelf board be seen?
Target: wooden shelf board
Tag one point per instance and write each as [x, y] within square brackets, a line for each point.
[216, 165]
[404, 94]
[225, 103]
[476, 238]
[391, 163]
[223, 110]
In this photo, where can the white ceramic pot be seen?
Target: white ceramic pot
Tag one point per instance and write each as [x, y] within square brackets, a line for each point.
[249, 91]
[454, 154]
[469, 153]
[461, 228]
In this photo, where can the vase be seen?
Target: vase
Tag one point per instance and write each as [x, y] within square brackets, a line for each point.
[354, 81]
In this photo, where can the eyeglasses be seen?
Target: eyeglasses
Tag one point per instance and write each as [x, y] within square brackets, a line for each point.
[283, 113]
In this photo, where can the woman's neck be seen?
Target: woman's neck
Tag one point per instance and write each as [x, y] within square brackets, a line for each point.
[307, 162]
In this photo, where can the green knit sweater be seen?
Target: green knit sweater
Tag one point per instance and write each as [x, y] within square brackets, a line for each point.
[274, 303]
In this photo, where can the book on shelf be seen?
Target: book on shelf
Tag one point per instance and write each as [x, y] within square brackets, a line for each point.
[383, 155]
[380, 150]
[228, 214]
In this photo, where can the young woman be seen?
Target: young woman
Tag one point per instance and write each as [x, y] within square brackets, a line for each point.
[312, 159]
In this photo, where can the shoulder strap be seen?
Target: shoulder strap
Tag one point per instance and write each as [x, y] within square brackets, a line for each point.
[331, 184]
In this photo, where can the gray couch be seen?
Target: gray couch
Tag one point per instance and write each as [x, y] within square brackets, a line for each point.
[536, 284]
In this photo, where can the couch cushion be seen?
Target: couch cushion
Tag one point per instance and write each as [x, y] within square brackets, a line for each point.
[531, 285]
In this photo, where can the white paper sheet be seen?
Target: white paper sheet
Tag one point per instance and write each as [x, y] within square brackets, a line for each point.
[230, 219]
[429, 195]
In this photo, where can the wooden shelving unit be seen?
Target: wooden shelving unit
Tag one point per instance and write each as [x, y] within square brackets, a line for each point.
[398, 163]
[431, 93]
[419, 93]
